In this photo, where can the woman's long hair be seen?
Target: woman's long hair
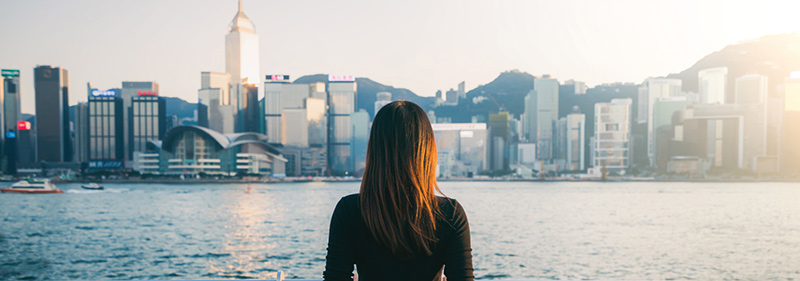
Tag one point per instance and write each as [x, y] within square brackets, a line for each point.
[398, 200]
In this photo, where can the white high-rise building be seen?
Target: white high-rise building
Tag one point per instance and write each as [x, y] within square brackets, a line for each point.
[280, 95]
[215, 95]
[611, 142]
[712, 85]
[651, 90]
[241, 56]
[546, 90]
[382, 98]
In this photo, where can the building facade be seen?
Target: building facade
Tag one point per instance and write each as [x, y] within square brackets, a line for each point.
[53, 140]
[241, 59]
[713, 85]
[546, 89]
[462, 148]
[105, 136]
[341, 104]
[612, 135]
[147, 121]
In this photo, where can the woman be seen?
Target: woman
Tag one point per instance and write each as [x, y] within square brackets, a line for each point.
[396, 228]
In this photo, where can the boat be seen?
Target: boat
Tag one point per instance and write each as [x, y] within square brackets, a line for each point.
[32, 186]
[92, 186]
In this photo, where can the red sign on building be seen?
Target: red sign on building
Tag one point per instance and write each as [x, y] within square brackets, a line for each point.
[147, 93]
[23, 126]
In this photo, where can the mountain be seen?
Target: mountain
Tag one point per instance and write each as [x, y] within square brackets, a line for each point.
[179, 107]
[367, 89]
[774, 56]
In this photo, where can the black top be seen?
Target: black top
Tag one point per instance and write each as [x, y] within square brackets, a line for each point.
[350, 242]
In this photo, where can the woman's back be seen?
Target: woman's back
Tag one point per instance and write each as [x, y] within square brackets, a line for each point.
[350, 242]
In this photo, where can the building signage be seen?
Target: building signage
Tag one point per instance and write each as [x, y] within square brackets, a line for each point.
[105, 164]
[341, 78]
[106, 93]
[23, 125]
[458, 126]
[10, 72]
[147, 93]
[278, 77]
[11, 135]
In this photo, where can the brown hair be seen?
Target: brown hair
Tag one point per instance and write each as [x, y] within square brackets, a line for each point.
[398, 200]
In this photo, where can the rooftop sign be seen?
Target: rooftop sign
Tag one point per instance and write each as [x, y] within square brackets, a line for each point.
[106, 93]
[458, 126]
[341, 78]
[10, 72]
[147, 93]
[278, 77]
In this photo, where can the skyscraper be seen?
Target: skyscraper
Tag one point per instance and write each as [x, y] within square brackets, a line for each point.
[499, 125]
[713, 84]
[611, 142]
[341, 103]
[546, 89]
[10, 91]
[529, 119]
[462, 90]
[279, 94]
[53, 141]
[250, 116]
[790, 137]
[358, 141]
[80, 132]
[751, 94]
[451, 97]
[130, 91]
[106, 136]
[241, 57]
[651, 90]
[147, 121]
[575, 144]
[214, 107]
[381, 99]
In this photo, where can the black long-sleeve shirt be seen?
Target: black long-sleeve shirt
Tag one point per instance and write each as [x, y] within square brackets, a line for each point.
[350, 242]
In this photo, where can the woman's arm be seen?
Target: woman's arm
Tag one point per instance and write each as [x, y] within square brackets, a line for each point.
[458, 258]
[340, 259]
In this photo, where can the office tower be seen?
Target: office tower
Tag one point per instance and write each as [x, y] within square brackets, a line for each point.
[80, 132]
[250, 116]
[664, 112]
[382, 98]
[358, 141]
[529, 117]
[713, 82]
[131, 90]
[317, 127]
[10, 91]
[439, 94]
[751, 93]
[575, 144]
[451, 97]
[651, 90]
[106, 134]
[279, 94]
[214, 108]
[574, 87]
[790, 137]
[241, 58]
[526, 154]
[296, 122]
[499, 125]
[462, 148]
[546, 90]
[462, 91]
[53, 141]
[147, 121]
[612, 135]
[341, 103]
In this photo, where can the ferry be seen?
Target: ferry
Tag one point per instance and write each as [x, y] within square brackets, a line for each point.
[92, 186]
[32, 186]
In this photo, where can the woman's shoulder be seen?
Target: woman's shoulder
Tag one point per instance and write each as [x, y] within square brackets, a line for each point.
[450, 207]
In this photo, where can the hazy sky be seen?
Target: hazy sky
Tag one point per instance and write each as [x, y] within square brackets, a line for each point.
[419, 45]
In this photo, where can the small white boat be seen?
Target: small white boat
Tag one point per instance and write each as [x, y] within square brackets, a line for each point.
[92, 186]
[32, 186]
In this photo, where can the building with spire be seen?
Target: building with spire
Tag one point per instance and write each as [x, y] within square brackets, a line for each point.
[241, 58]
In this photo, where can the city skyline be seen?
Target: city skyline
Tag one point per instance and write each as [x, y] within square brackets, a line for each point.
[410, 48]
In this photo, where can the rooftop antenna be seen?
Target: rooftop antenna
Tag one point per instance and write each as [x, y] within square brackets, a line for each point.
[240, 6]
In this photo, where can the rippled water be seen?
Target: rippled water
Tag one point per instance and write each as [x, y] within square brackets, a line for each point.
[520, 230]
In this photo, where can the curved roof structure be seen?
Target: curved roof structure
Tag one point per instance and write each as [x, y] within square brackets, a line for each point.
[222, 141]
[241, 22]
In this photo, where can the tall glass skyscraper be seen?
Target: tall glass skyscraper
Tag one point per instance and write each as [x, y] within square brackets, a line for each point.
[53, 141]
[341, 103]
[214, 109]
[546, 89]
[147, 121]
[241, 58]
[106, 125]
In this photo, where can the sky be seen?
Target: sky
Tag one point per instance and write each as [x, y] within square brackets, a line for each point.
[420, 45]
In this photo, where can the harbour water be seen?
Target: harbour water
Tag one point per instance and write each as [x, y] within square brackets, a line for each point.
[520, 230]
